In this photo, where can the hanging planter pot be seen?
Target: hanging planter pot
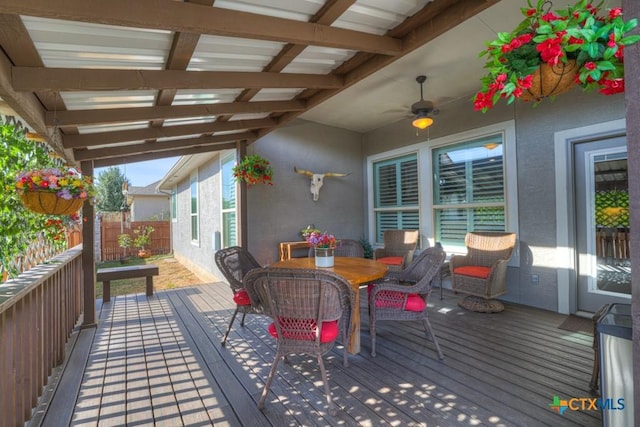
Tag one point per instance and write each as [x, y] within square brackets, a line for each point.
[47, 202]
[54, 191]
[253, 170]
[551, 81]
[550, 51]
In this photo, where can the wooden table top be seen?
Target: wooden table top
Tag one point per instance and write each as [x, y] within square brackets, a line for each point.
[356, 270]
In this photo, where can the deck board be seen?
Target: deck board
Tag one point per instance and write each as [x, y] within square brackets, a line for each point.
[158, 361]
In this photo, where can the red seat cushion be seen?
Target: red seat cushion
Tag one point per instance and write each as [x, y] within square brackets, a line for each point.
[394, 299]
[308, 332]
[241, 298]
[473, 271]
[391, 260]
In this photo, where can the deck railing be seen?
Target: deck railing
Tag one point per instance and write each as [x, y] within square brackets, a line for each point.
[38, 311]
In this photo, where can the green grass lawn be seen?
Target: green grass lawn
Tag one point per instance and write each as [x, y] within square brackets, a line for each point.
[128, 286]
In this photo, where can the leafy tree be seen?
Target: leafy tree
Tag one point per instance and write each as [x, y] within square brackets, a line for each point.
[18, 225]
[109, 188]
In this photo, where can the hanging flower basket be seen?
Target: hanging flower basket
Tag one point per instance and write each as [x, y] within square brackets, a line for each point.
[253, 170]
[46, 202]
[54, 191]
[577, 41]
[551, 80]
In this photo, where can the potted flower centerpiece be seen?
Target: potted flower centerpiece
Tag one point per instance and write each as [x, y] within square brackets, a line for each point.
[54, 191]
[253, 170]
[324, 245]
[550, 51]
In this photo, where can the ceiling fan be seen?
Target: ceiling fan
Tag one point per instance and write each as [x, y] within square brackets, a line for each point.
[422, 110]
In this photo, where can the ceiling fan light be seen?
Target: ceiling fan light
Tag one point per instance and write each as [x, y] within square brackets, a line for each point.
[422, 121]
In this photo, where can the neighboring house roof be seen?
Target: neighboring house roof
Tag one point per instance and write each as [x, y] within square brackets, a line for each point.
[149, 190]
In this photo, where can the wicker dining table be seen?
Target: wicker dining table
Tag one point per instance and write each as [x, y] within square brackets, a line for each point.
[357, 271]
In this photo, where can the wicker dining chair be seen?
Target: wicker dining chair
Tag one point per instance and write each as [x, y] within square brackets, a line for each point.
[482, 272]
[346, 248]
[403, 295]
[398, 250]
[234, 263]
[302, 299]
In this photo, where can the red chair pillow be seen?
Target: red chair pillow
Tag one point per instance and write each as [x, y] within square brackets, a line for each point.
[328, 333]
[473, 271]
[241, 298]
[391, 260]
[394, 299]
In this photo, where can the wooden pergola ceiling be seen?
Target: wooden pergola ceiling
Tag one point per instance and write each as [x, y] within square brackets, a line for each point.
[37, 92]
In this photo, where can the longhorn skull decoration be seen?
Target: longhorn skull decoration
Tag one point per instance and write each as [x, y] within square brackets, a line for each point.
[317, 179]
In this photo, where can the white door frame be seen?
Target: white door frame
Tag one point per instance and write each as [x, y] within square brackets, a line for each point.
[565, 241]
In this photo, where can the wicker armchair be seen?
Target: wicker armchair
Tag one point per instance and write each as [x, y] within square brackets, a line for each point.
[403, 295]
[301, 299]
[482, 272]
[399, 246]
[234, 263]
[346, 247]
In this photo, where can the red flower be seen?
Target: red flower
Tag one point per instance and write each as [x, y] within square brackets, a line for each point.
[613, 86]
[551, 50]
[526, 83]
[573, 40]
[619, 53]
[482, 101]
[615, 12]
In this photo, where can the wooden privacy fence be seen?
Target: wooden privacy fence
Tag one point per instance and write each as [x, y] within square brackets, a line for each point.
[613, 243]
[109, 232]
[38, 311]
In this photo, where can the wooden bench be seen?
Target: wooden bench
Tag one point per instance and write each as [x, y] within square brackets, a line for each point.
[106, 275]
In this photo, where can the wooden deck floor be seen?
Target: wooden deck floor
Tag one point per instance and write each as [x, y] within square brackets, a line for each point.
[158, 360]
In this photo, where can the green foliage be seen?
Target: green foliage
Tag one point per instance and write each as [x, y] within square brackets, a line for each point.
[368, 249]
[19, 225]
[124, 241]
[109, 189]
[612, 208]
[143, 236]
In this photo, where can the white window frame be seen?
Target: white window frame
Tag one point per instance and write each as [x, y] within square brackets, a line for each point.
[194, 179]
[395, 208]
[174, 204]
[425, 185]
[228, 156]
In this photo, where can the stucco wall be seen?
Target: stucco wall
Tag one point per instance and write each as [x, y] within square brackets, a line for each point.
[199, 256]
[278, 213]
[146, 208]
[535, 128]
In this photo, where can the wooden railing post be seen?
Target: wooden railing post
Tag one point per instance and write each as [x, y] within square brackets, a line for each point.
[38, 312]
[88, 256]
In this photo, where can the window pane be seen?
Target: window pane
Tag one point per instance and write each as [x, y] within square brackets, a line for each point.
[469, 173]
[396, 182]
[452, 224]
[228, 184]
[194, 194]
[387, 190]
[396, 189]
[409, 182]
[229, 229]
[399, 220]
[194, 227]
[174, 204]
